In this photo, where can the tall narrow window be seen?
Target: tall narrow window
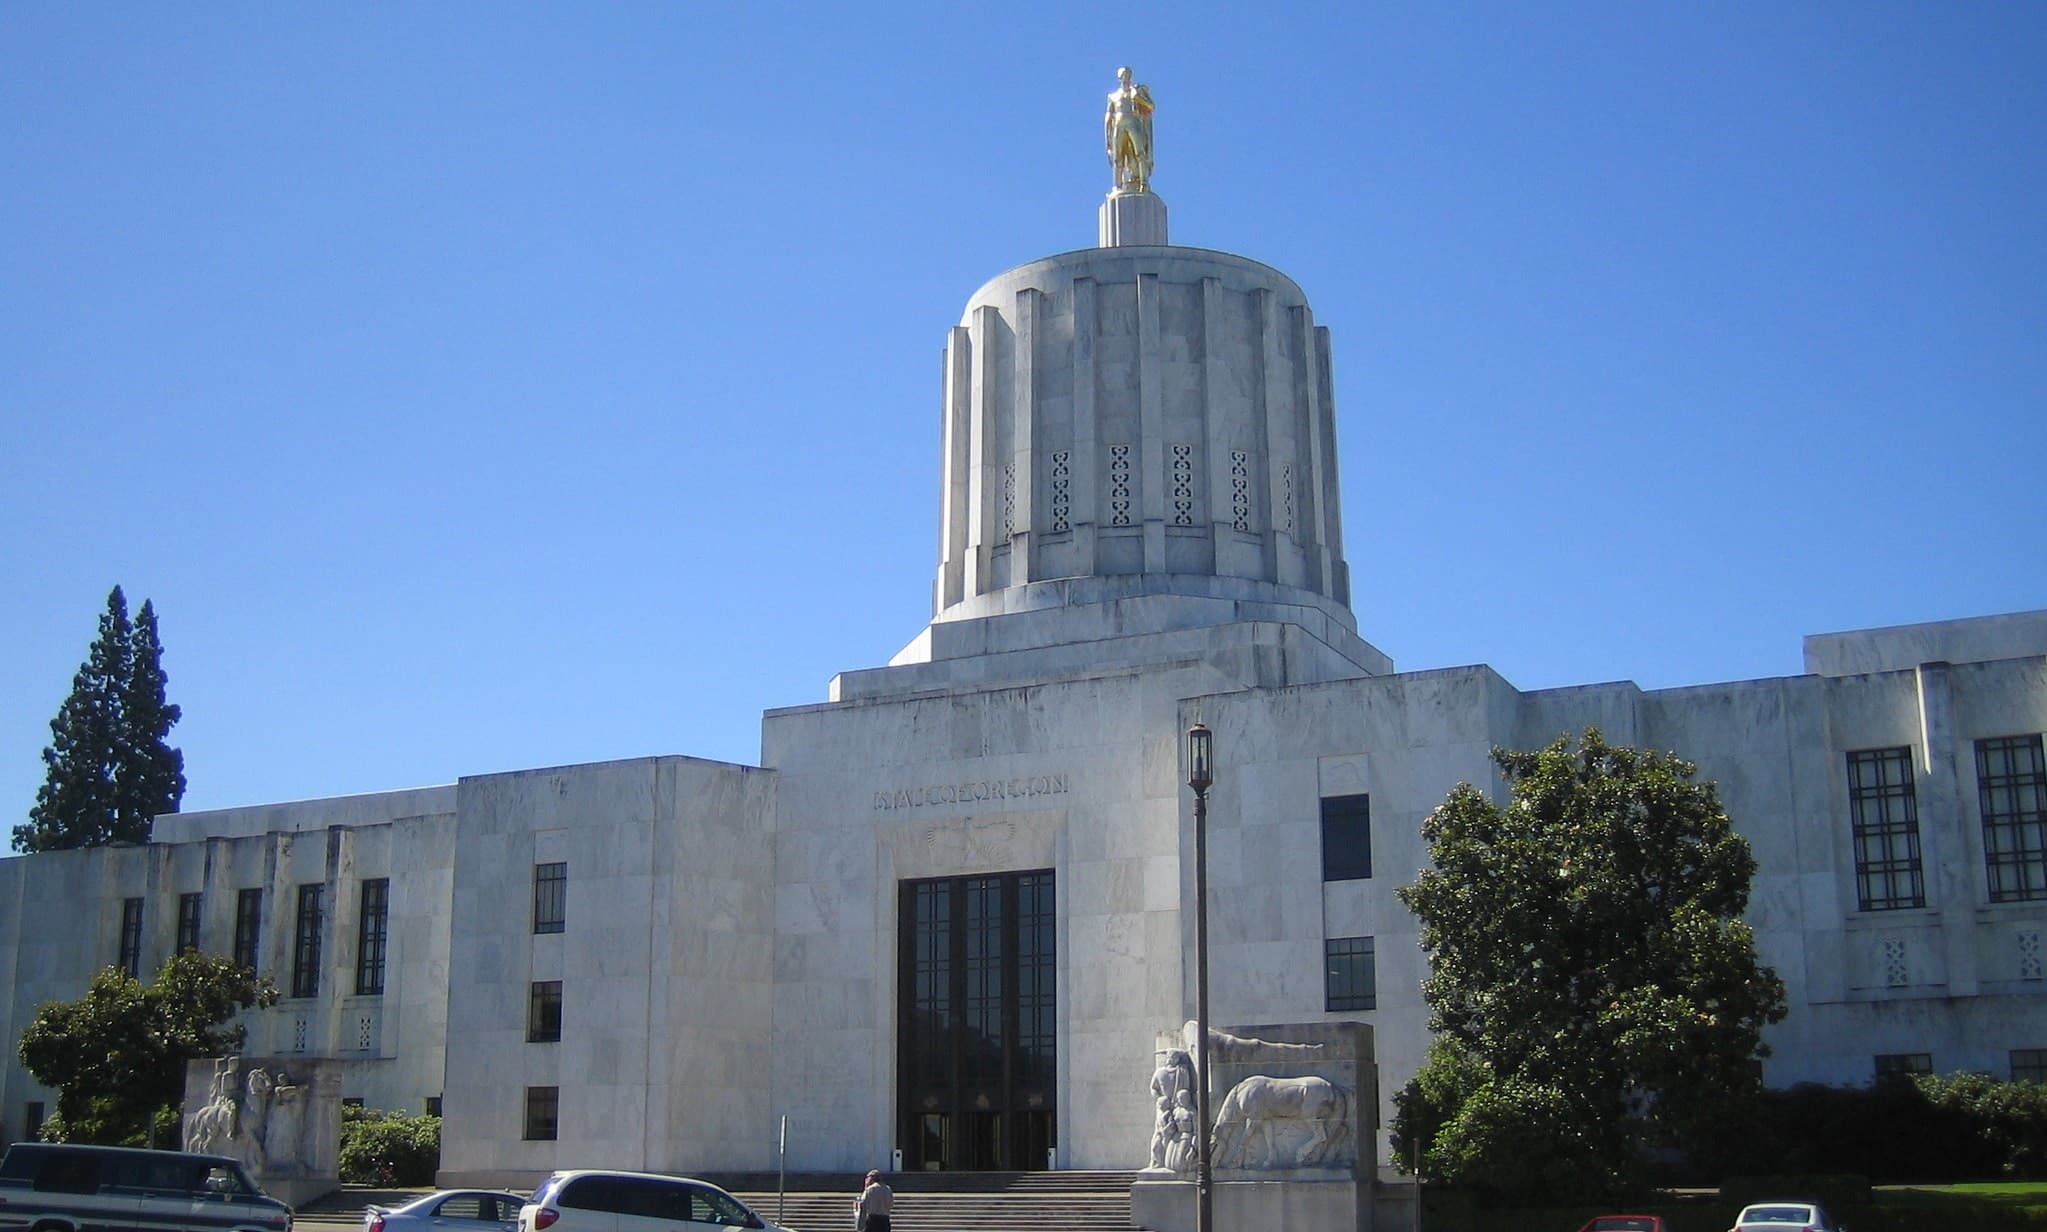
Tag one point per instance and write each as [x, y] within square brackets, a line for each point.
[543, 1113]
[32, 1114]
[550, 897]
[544, 1012]
[370, 934]
[1351, 977]
[2011, 785]
[248, 928]
[189, 910]
[1346, 838]
[131, 937]
[1884, 815]
[305, 955]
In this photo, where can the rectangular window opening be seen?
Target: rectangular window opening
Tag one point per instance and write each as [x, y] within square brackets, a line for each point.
[131, 937]
[1903, 1064]
[544, 1012]
[550, 897]
[1351, 973]
[2029, 1065]
[543, 1113]
[305, 958]
[1346, 838]
[370, 937]
[1884, 816]
[248, 927]
[190, 908]
[2011, 787]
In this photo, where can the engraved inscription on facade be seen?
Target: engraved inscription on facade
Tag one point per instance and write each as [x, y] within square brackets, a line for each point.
[937, 794]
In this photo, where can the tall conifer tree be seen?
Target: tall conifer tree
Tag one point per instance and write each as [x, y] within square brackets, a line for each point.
[149, 775]
[108, 768]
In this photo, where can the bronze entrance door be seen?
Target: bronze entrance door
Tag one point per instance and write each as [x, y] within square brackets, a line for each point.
[977, 1022]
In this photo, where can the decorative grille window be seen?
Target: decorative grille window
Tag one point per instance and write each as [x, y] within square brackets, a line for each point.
[1008, 499]
[1119, 485]
[1286, 498]
[1062, 489]
[1183, 485]
[1240, 490]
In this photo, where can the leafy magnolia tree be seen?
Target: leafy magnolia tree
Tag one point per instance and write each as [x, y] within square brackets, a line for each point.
[116, 1056]
[109, 769]
[1594, 990]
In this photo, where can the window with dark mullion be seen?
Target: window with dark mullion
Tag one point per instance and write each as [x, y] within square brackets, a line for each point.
[550, 897]
[2011, 787]
[543, 1113]
[1351, 974]
[248, 927]
[305, 958]
[131, 937]
[544, 1012]
[190, 907]
[1884, 817]
[370, 935]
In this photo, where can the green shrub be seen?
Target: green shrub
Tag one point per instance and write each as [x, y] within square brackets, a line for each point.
[389, 1148]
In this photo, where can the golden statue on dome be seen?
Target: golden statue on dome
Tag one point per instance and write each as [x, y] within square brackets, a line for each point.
[1126, 129]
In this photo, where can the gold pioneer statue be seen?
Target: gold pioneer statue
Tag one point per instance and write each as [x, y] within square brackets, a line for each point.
[1127, 131]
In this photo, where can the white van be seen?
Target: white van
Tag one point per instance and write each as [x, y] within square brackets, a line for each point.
[60, 1187]
[596, 1201]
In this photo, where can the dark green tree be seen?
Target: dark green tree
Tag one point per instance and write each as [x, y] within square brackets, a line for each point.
[1596, 995]
[109, 769]
[116, 1056]
[149, 775]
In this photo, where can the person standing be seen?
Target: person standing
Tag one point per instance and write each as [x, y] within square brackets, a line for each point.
[870, 1213]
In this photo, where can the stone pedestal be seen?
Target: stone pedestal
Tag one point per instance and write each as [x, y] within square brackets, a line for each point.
[1295, 1111]
[1128, 219]
[280, 1116]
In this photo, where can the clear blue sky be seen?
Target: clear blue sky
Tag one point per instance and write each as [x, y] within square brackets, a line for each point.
[478, 387]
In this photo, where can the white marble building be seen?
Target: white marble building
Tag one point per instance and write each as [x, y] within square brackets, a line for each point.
[946, 914]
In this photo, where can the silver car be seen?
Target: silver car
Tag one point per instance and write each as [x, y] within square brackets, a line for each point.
[602, 1201]
[1784, 1217]
[450, 1210]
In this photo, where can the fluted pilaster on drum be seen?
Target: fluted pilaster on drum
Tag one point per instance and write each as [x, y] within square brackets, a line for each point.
[1117, 418]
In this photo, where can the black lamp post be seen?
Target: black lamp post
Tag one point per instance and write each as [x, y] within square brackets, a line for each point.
[1200, 774]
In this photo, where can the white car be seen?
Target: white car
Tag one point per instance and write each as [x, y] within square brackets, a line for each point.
[601, 1201]
[450, 1210]
[1784, 1217]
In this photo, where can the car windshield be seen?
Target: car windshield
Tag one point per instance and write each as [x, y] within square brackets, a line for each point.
[1776, 1214]
[1625, 1223]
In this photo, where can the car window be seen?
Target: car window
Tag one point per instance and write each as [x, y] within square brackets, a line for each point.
[71, 1174]
[501, 1207]
[710, 1206]
[590, 1193]
[1776, 1214]
[545, 1194]
[1624, 1223]
[463, 1206]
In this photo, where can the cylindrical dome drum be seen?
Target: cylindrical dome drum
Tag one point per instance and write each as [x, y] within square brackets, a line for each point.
[1138, 420]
